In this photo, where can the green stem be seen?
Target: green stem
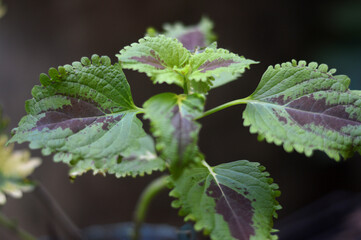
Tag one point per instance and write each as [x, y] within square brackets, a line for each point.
[185, 86]
[140, 111]
[224, 106]
[13, 227]
[155, 187]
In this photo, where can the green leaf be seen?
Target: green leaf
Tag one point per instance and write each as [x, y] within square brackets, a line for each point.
[306, 108]
[15, 167]
[234, 200]
[85, 114]
[173, 126]
[192, 37]
[200, 36]
[162, 58]
[224, 78]
[138, 159]
[200, 87]
[213, 62]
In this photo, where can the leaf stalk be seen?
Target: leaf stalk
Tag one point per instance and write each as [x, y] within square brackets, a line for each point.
[224, 106]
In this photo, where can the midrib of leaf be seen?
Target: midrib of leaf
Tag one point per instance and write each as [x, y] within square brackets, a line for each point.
[337, 145]
[302, 127]
[182, 64]
[103, 133]
[180, 142]
[95, 117]
[321, 114]
[214, 175]
[99, 116]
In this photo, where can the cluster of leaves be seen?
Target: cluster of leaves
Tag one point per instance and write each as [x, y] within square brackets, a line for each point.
[15, 167]
[187, 60]
[84, 114]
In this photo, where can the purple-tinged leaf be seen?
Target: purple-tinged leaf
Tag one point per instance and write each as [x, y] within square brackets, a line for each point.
[165, 60]
[192, 37]
[212, 63]
[76, 116]
[306, 108]
[172, 120]
[307, 111]
[217, 63]
[230, 201]
[85, 114]
[236, 209]
[153, 60]
[161, 58]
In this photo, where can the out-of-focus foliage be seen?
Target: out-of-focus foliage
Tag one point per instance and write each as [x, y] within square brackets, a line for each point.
[3, 121]
[15, 167]
[2, 9]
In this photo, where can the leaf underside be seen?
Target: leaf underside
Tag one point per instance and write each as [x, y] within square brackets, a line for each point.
[306, 108]
[230, 201]
[85, 114]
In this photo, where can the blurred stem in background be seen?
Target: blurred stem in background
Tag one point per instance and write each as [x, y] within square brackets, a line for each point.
[2, 9]
[12, 226]
[56, 215]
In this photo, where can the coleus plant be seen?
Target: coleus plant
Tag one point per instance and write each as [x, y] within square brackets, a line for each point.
[84, 114]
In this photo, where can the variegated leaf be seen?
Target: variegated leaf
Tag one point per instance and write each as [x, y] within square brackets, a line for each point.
[230, 201]
[192, 37]
[306, 108]
[172, 120]
[164, 59]
[85, 114]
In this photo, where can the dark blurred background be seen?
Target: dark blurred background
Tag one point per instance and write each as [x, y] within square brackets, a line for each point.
[38, 34]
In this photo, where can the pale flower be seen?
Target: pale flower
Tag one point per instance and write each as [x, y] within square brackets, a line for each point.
[15, 166]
